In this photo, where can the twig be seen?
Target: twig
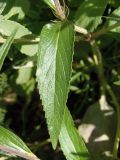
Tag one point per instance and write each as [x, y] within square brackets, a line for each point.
[59, 9]
[81, 30]
[105, 30]
[22, 40]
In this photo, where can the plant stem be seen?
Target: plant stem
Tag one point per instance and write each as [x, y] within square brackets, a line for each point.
[81, 30]
[105, 87]
[22, 40]
[105, 30]
[98, 62]
[59, 9]
[39, 145]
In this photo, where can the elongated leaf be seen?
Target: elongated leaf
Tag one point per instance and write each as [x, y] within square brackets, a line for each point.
[54, 72]
[89, 13]
[2, 5]
[50, 3]
[71, 143]
[12, 144]
[5, 48]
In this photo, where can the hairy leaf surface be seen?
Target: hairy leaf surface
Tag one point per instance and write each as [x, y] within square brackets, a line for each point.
[89, 13]
[71, 143]
[54, 72]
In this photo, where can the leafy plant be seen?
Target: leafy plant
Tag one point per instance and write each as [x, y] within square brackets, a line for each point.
[67, 54]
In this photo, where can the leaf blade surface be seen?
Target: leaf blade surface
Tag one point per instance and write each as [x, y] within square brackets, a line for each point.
[54, 72]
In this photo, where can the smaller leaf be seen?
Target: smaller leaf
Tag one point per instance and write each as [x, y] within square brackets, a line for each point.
[5, 48]
[12, 144]
[8, 26]
[89, 13]
[71, 143]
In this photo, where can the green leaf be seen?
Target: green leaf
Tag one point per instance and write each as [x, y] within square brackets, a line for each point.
[114, 18]
[28, 49]
[22, 76]
[12, 144]
[50, 3]
[2, 5]
[54, 72]
[71, 143]
[20, 8]
[89, 13]
[5, 48]
[8, 26]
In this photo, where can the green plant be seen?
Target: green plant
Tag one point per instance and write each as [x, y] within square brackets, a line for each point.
[55, 68]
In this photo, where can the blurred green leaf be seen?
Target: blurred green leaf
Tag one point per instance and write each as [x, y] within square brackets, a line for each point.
[2, 5]
[28, 49]
[89, 14]
[22, 76]
[114, 18]
[5, 48]
[19, 8]
[8, 26]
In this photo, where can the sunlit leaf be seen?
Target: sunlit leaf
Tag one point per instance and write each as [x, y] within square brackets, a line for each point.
[8, 26]
[54, 72]
[71, 143]
[89, 13]
[2, 5]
